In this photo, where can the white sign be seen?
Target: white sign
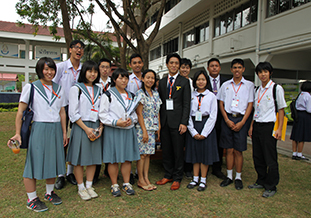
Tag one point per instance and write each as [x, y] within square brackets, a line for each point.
[8, 50]
[52, 52]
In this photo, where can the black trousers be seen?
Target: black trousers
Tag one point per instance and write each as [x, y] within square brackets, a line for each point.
[217, 165]
[265, 155]
[172, 152]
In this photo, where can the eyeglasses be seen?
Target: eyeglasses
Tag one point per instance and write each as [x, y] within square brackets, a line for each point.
[78, 47]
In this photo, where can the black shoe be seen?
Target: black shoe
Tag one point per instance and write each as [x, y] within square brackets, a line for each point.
[219, 175]
[301, 158]
[132, 179]
[238, 184]
[191, 186]
[226, 182]
[60, 183]
[189, 175]
[200, 188]
[294, 157]
[136, 176]
[255, 186]
[72, 179]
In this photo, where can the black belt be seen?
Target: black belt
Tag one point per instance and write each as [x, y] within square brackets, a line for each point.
[236, 115]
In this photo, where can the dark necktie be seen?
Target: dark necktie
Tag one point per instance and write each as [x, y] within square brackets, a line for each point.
[214, 87]
[200, 97]
[169, 86]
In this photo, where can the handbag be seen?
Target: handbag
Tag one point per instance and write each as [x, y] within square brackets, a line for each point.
[27, 121]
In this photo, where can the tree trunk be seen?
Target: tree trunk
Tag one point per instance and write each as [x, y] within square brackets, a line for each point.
[66, 25]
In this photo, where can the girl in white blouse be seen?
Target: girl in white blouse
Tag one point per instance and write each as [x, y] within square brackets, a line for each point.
[201, 141]
[45, 154]
[85, 148]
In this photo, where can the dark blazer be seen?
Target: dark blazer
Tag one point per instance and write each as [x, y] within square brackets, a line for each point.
[210, 88]
[181, 97]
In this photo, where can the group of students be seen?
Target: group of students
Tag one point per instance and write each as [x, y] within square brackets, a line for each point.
[118, 119]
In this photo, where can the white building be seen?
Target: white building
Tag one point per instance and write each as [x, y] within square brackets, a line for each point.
[277, 31]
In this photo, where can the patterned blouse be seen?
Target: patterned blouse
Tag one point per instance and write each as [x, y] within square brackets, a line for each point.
[151, 107]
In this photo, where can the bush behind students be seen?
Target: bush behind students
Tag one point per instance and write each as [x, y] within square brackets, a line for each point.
[261, 129]
[45, 154]
[85, 149]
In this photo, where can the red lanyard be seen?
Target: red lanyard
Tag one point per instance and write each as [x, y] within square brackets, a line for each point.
[171, 85]
[105, 88]
[50, 90]
[74, 75]
[92, 96]
[259, 99]
[200, 101]
[136, 82]
[127, 96]
[236, 92]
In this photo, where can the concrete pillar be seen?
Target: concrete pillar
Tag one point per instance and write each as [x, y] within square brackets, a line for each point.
[260, 15]
[26, 58]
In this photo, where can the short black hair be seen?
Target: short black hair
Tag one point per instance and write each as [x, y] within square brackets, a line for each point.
[211, 60]
[104, 60]
[143, 84]
[173, 55]
[237, 61]
[74, 42]
[135, 55]
[186, 62]
[306, 86]
[116, 73]
[195, 78]
[40, 66]
[88, 65]
[261, 66]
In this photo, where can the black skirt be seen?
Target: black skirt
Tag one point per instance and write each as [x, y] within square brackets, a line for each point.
[301, 131]
[201, 151]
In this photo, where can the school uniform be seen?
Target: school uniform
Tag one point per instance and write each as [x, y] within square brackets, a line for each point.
[120, 143]
[202, 151]
[82, 151]
[236, 98]
[264, 144]
[45, 155]
[134, 83]
[104, 86]
[301, 131]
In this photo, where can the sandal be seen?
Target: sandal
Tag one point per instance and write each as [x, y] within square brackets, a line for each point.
[153, 186]
[145, 187]
[191, 186]
[200, 188]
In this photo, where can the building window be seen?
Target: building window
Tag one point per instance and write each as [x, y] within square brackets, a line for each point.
[278, 6]
[155, 53]
[236, 18]
[170, 4]
[170, 47]
[154, 17]
[196, 35]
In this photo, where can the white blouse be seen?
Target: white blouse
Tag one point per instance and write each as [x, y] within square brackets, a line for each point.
[303, 102]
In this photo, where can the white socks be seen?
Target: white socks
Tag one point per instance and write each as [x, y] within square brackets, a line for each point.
[69, 169]
[31, 195]
[81, 186]
[229, 174]
[203, 180]
[49, 188]
[299, 154]
[88, 184]
[238, 176]
[295, 153]
[126, 184]
[195, 179]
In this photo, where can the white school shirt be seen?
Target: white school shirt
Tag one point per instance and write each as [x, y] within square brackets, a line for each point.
[245, 95]
[66, 77]
[82, 108]
[303, 102]
[44, 109]
[103, 84]
[211, 79]
[208, 107]
[266, 105]
[134, 83]
[111, 112]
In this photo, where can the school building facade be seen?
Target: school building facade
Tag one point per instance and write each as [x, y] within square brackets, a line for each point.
[277, 31]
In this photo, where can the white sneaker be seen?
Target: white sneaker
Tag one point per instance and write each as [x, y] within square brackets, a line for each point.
[92, 193]
[84, 195]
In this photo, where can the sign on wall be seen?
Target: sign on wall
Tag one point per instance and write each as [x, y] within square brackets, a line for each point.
[8, 50]
[52, 52]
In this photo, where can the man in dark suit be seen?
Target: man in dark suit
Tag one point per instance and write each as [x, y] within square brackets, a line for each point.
[214, 83]
[175, 94]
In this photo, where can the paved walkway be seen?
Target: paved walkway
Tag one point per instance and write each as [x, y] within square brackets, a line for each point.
[285, 147]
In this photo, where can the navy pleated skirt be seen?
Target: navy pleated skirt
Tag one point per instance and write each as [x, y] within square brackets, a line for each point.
[301, 131]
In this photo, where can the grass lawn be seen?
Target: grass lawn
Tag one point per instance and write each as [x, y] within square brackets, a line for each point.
[292, 199]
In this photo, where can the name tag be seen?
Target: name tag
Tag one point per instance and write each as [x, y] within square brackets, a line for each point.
[169, 104]
[257, 111]
[94, 114]
[198, 116]
[235, 102]
[155, 120]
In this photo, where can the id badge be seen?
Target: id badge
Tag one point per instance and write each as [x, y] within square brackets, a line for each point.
[198, 116]
[155, 120]
[257, 111]
[169, 104]
[94, 114]
[235, 102]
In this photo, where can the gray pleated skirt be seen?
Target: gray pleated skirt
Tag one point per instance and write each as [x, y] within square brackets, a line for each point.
[45, 155]
[120, 145]
[81, 150]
